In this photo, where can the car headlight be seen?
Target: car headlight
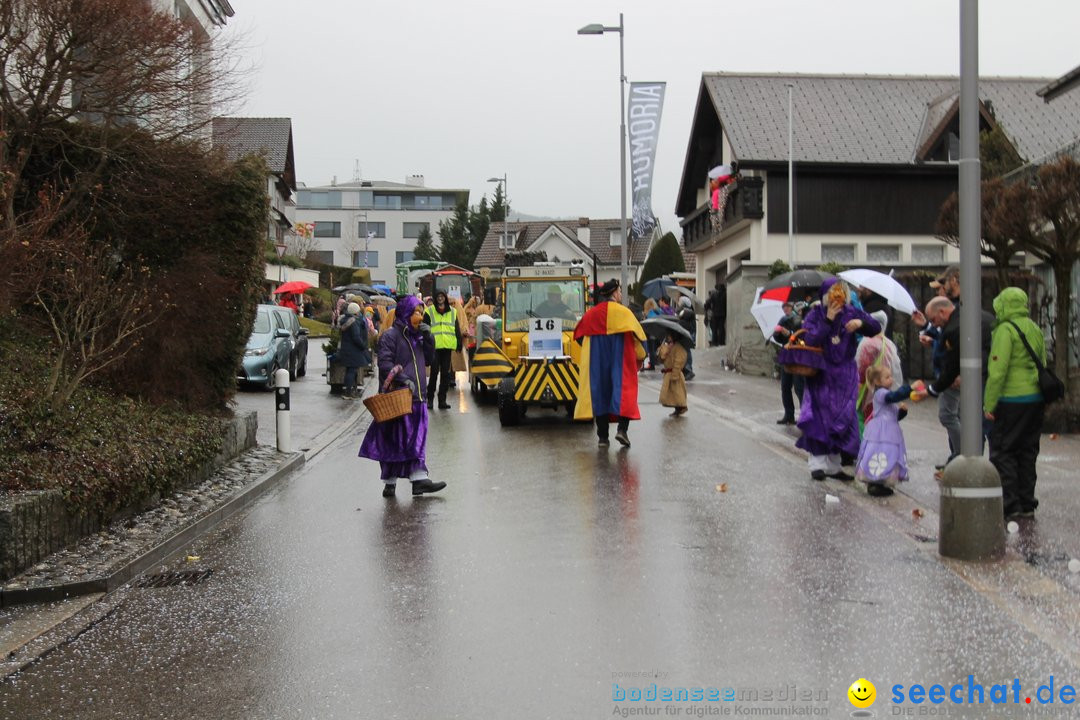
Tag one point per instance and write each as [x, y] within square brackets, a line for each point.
[256, 352]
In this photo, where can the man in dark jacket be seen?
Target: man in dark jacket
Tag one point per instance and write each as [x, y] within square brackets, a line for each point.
[942, 313]
[716, 308]
[787, 326]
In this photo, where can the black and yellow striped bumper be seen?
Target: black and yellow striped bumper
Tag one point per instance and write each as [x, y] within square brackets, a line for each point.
[551, 380]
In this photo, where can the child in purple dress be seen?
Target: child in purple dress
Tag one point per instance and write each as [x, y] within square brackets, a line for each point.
[882, 455]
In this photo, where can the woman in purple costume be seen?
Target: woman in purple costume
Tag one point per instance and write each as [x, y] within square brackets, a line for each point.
[830, 427]
[403, 354]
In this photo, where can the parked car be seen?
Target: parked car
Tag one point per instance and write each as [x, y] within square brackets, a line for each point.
[277, 341]
[298, 340]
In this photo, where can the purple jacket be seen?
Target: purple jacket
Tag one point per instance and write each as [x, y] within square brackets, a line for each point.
[412, 350]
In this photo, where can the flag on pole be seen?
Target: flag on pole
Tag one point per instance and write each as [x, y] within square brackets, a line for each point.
[643, 121]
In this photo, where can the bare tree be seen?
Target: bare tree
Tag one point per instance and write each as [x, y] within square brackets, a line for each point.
[96, 307]
[1000, 240]
[117, 67]
[1037, 213]
[1053, 220]
[301, 241]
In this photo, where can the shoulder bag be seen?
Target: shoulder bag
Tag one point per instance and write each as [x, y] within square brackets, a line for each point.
[1050, 385]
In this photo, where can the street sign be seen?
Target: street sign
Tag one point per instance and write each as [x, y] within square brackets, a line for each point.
[280, 247]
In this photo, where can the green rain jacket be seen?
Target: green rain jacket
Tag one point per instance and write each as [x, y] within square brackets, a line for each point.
[1011, 375]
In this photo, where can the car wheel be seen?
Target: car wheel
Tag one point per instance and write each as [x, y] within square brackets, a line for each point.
[302, 370]
[271, 380]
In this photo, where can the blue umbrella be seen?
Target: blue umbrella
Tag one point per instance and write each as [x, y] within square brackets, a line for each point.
[655, 288]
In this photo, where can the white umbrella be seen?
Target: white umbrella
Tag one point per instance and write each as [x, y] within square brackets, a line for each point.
[884, 285]
[719, 171]
[767, 313]
[676, 291]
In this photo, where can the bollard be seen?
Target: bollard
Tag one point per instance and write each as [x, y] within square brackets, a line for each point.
[972, 525]
[281, 402]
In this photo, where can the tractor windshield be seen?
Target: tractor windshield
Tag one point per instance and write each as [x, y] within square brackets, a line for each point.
[557, 299]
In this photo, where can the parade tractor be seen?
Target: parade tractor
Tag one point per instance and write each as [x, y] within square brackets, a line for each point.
[527, 354]
[454, 281]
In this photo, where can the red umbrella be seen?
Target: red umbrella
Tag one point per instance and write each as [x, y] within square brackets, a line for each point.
[293, 286]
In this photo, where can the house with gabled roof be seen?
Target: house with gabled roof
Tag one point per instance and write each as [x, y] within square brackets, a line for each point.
[270, 139]
[596, 244]
[874, 158]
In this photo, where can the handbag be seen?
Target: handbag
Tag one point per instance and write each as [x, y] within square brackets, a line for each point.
[390, 404]
[1050, 385]
[799, 358]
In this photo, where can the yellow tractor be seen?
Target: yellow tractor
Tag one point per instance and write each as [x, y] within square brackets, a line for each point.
[527, 354]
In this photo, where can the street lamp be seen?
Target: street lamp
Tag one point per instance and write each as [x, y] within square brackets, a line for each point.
[367, 237]
[790, 178]
[599, 29]
[506, 206]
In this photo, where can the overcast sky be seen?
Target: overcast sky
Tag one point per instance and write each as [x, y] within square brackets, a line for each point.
[463, 90]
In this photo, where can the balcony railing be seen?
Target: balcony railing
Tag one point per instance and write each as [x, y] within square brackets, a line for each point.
[745, 202]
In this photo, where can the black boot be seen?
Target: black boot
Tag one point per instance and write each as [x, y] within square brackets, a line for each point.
[419, 487]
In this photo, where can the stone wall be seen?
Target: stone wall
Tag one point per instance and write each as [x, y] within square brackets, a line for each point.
[35, 524]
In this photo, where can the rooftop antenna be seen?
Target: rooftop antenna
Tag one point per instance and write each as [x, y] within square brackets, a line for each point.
[356, 170]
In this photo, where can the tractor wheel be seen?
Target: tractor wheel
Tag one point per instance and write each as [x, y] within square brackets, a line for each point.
[509, 410]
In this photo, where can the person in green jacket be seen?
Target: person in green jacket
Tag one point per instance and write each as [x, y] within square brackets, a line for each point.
[1013, 402]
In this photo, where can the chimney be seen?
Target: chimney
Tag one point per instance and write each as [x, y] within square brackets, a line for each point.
[414, 180]
[333, 181]
[583, 232]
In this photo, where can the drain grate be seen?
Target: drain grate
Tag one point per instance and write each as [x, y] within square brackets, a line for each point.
[171, 579]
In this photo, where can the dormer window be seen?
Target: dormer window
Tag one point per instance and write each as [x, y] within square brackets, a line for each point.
[615, 238]
[506, 241]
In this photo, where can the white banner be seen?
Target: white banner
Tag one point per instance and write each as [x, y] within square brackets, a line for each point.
[643, 121]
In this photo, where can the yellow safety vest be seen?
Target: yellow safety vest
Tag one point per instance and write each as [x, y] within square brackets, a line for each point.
[443, 328]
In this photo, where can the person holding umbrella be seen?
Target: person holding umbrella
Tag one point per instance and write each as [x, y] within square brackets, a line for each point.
[688, 319]
[673, 390]
[785, 328]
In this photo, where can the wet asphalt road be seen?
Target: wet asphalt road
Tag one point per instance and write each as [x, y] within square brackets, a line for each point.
[548, 572]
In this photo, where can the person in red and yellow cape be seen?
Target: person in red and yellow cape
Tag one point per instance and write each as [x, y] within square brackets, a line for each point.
[612, 351]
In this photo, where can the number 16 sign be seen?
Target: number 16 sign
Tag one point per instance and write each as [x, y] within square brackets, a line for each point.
[545, 337]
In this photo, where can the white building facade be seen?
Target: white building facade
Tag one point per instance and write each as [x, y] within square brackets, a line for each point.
[374, 224]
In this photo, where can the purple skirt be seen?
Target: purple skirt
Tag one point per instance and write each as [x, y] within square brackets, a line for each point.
[398, 444]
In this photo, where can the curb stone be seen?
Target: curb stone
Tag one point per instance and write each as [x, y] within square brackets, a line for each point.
[12, 595]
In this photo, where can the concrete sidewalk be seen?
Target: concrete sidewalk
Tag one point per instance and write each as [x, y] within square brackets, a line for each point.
[1048, 541]
[61, 597]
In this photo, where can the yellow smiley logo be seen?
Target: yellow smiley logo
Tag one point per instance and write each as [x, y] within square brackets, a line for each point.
[862, 693]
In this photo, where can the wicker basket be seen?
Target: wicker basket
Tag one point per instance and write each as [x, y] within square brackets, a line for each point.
[798, 358]
[390, 405]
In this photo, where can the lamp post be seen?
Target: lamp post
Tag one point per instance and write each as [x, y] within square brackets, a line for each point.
[790, 178]
[600, 29]
[367, 238]
[506, 206]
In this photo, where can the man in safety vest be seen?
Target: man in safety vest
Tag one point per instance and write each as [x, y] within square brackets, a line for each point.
[442, 318]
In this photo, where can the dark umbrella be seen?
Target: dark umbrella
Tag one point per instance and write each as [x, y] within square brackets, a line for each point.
[794, 285]
[655, 288]
[658, 328]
